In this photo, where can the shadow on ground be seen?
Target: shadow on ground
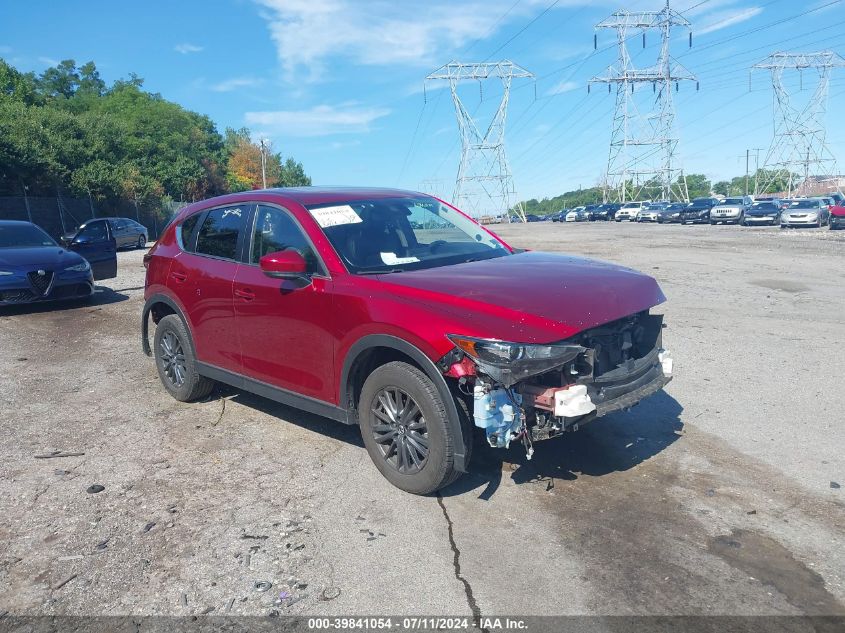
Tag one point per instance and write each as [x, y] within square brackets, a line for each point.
[611, 444]
[102, 296]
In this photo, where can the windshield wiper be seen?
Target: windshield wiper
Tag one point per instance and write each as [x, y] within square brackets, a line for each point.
[379, 272]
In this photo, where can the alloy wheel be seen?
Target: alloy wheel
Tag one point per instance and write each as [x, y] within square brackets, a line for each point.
[173, 359]
[400, 430]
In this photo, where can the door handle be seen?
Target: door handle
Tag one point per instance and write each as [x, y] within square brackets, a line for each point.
[180, 277]
[244, 293]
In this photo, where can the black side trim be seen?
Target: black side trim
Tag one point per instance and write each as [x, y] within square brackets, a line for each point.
[430, 369]
[274, 393]
[145, 320]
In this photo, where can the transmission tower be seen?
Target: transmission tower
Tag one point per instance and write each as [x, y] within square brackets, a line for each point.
[798, 147]
[642, 143]
[484, 185]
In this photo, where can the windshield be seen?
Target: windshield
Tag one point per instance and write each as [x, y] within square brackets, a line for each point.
[805, 204]
[763, 206]
[733, 201]
[631, 205]
[396, 234]
[23, 236]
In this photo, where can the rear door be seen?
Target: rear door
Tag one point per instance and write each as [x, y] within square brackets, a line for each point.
[96, 243]
[202, 275]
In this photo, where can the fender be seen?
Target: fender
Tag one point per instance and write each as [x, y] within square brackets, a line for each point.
[145, 319]
[430, 369]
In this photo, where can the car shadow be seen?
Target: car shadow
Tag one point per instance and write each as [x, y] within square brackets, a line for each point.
[102, 296]
[607, 445]
[615, 443]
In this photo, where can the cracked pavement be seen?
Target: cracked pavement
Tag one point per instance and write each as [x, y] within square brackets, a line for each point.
[715, 497]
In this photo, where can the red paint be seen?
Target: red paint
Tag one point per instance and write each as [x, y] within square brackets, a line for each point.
[838, 211]
[298, 337]
[464, 368]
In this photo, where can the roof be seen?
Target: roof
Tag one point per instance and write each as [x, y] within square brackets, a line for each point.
[319, 195]
[13, 222]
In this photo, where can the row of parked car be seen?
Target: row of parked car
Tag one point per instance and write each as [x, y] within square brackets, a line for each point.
[744, 210]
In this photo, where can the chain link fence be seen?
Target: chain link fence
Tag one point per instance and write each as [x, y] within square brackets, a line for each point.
[59, 215]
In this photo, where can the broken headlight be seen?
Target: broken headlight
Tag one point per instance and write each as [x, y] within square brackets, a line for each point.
[508, 363]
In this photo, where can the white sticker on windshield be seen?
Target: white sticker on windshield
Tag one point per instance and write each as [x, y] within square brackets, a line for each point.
[391, 260]
[334, 216]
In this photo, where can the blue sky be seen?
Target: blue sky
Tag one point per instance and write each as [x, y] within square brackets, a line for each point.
[338, 84]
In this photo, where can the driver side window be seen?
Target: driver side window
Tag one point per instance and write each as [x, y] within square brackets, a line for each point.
[276, 231]
[95, 231]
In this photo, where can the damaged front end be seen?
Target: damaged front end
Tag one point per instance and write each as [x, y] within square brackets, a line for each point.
[533, 392]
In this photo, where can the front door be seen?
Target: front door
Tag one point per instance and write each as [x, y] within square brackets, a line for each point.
[201, 277]
[96, 243]
[283, 325]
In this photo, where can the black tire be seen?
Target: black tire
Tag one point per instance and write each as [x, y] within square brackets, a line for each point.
[142, 241]
[186, 384]
[419, 476]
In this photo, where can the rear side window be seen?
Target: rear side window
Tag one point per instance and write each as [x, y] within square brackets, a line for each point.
[218, 236]
[187, 231]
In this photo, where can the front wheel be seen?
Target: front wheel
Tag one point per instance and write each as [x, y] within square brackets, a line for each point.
[406, 429]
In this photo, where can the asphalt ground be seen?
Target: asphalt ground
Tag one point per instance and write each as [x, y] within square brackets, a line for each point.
[719, 496]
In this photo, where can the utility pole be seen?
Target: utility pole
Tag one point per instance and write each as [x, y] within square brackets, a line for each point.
[799, 130]
[484, 184]
[638, 135]
[263, 164]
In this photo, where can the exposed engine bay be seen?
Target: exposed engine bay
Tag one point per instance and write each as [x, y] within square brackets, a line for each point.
[525, 392]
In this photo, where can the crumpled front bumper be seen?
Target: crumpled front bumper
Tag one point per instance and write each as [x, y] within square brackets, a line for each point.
[627, 385]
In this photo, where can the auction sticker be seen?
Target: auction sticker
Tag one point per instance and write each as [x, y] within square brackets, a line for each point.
[335, 216]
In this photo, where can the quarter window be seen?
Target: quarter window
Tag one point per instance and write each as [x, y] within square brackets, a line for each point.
[276, 231]
[186, 232]
[219, 233]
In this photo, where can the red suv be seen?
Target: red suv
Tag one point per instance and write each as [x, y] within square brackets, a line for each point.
[395, 311]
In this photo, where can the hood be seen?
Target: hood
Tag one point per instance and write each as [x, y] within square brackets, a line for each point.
[47, 257]
[728, 206]
[533, 295]
[811, 211]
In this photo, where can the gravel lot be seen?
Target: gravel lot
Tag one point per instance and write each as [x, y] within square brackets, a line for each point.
[716, 497]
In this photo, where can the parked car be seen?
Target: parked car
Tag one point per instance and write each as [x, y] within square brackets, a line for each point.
[629, 210]
[578, 214]
[605, 211]
[805, 212]
[560, 216]
[328, 300]
[127, 233]
[531, 217]
[837, 218]
[33, 267]
[838, 198]
[671, 213]
[698, 211]
[731, 210]
[763, 212]
[651, 212]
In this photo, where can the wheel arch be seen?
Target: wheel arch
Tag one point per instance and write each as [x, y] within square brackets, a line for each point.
[159, 306]
[375, 350]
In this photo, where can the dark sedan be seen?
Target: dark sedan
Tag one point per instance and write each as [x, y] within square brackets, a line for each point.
[34, 268]
[763, 212]
[671, 213]
[127, 233]
[698, 211]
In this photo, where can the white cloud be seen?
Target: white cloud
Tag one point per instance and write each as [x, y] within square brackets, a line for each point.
[49, 61]
[723, 19]
[186, 48]
[235, 83]
[308, 33]
[565, 86]
[321, 120]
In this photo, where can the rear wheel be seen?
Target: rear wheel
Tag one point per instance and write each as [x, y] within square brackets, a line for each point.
[142, 241]
[406, 429]
[176, 361]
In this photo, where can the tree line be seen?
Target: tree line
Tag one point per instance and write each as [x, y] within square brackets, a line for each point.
[65, 129]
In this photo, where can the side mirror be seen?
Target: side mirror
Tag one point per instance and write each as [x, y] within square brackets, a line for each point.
[283, 265]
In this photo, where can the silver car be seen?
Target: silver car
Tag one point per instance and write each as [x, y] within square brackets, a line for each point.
[731, 210]
[630, 210]
[805, 212]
